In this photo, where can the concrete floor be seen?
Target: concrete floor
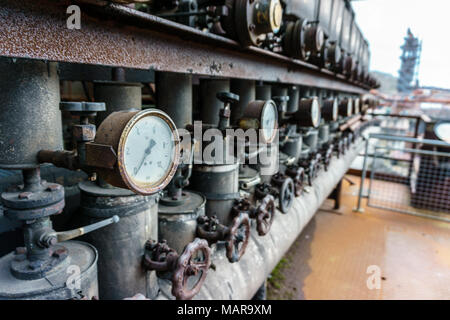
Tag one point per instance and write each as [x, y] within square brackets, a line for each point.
[375, 255]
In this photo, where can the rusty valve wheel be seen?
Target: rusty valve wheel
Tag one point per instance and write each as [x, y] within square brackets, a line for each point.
[265, 214]
[237, 238]
[187, 266]
[298, 176]
[160, 257]
[286, 191]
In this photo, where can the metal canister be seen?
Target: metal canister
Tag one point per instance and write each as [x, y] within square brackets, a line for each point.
[293, 146]
[118, 96]
[220, 185]
[324, 134]
[75, 278]
[121, 246]
[311, 139]
[177, 220]
[29, 112]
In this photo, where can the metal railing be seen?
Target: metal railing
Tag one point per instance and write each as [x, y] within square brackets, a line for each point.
[407, 175]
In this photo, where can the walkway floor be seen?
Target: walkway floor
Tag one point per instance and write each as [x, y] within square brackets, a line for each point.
[375, 255]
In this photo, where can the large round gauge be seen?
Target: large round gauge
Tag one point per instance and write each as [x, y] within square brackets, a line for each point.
[147, 147]
[309, 113]
[330, 109]
[442, 131]
[262, 115]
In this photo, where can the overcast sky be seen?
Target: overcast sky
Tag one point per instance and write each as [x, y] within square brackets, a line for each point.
[384, 24]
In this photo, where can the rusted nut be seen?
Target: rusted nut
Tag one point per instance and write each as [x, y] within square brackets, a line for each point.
[46, 241]
[159, 256]
[262, 190]
[265, 214]
[194, 261]
[25, 195]
[83, 132]
[298, 176]
[209, 228]
[237, 237]
[241, 206]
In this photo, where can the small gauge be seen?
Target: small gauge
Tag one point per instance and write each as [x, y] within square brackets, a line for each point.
[262, 115]
[442, 131]
[330, 109]
[346, 107]
[147, 147]
[309, 113]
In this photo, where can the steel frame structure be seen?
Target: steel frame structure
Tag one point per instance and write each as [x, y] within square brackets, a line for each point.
[119, 36]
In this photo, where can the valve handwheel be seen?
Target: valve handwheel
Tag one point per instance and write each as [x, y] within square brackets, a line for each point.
[238, 236]
[286, 195]
[265, 214]
[187, 266]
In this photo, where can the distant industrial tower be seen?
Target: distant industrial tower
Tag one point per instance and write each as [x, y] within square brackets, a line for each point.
[409, 69]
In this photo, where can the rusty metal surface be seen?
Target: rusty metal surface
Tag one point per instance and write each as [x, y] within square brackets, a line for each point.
[114, 35]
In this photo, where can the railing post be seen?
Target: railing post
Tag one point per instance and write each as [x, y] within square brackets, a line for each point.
[363, 177]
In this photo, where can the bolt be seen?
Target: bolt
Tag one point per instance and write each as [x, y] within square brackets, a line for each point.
[25, 195]
[48, 241]
[53, 187]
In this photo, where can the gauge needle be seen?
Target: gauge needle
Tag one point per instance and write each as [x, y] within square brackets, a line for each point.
[146, 153]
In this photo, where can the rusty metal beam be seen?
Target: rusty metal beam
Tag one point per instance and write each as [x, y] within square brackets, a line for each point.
[114, 35]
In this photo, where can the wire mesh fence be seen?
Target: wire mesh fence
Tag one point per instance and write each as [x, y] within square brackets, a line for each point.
[408, 175]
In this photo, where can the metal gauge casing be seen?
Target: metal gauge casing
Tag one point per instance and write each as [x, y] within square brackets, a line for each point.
[147, 146]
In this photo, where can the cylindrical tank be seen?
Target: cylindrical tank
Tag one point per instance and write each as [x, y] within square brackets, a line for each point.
[209, 104]
[263, 92]
[29, 112]
[294, 97]
[178, 223]
[293, 146]
[220, 185]
[120, 246]
[245, 89]
[117, 96]
[74, 278]
[174, 96]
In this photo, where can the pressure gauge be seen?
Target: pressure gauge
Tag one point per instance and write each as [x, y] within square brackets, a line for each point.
[442, 131]
[147, 147]
[309, 113]
[330, 109]
[262, 115]
[346, 107]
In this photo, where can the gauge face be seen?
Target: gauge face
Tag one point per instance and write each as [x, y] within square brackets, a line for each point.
[149, 151]
[315, 113]
[269, 121]
[442, 131]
